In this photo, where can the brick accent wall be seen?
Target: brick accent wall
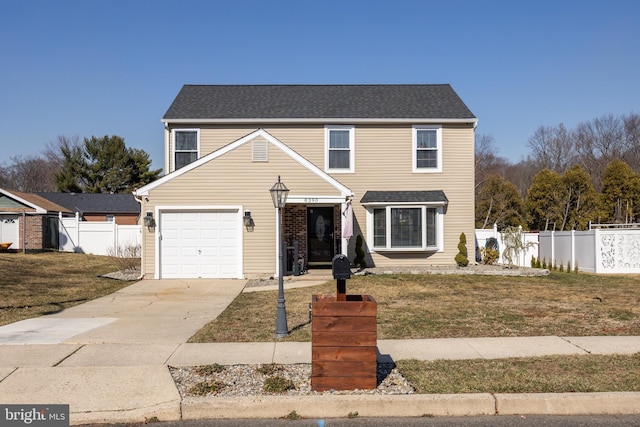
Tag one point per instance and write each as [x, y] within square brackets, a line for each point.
[294, 226]
[33, 237]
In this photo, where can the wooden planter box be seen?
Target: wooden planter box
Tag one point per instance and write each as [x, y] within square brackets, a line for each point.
[343, 343]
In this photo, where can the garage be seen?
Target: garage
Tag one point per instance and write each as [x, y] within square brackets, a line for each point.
[200, 244]
[9, 230]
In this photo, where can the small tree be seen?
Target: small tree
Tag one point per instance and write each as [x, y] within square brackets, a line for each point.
[461, 257]
[513, 244]
[359, 261]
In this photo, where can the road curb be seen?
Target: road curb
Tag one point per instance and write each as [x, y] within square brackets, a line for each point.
[568, 403]
[415, 405]
[339, 406]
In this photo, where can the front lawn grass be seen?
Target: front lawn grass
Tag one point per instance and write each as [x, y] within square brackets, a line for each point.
[451, 306]
[34, 284]
[549, 374]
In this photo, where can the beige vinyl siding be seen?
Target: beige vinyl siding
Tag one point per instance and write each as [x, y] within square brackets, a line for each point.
[386, 148]
[304, 138]
[383, 162]
[235, 180]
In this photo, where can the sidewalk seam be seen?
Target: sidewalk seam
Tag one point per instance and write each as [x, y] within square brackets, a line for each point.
[171, 355]
[575, 345]
[68, 355]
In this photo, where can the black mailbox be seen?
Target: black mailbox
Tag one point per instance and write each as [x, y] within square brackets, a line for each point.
[341, 267]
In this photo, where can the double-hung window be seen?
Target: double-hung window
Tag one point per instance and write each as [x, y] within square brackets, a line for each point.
[406, 228]
[186, 146]
[427, 149]
[339, 148]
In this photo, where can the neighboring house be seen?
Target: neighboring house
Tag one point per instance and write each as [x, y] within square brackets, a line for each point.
[121, 208]
[28, 221]
[400, 157]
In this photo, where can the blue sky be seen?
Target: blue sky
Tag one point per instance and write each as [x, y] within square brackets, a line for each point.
[113, 67]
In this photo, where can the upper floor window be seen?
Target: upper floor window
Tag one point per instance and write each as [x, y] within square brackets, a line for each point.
[339, 148]
[186, 146]
[427, 148]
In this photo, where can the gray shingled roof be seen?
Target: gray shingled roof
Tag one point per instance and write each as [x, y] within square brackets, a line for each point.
[94, 203]
[404, 197]
[317, 102]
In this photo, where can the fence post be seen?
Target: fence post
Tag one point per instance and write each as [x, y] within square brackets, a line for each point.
[573, 249]
[115, 237]
[78, 244]
[553, 248]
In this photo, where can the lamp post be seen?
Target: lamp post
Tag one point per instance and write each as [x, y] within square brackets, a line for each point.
[279, 193]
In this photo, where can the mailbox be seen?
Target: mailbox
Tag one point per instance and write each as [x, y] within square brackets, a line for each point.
[341, 267]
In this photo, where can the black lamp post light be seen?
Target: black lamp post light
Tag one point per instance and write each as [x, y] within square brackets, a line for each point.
[279, 193]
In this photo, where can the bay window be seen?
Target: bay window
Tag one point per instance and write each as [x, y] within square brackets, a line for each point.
[406, 228]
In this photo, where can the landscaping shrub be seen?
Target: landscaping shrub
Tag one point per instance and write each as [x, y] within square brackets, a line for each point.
[461, 257]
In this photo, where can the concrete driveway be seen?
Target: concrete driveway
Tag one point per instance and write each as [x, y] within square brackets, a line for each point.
[147, 312]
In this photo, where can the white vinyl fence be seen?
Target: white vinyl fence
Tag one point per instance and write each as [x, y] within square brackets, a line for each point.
[529, 241]
[596, 251]
[96, 237]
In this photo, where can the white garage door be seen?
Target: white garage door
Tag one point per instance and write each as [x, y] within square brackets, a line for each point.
[200, 244]
[9, 230]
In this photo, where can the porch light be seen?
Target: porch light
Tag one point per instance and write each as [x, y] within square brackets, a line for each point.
[148, 220]
[279, 193]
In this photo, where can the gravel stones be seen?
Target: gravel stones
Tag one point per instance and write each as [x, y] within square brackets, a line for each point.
[249, 380]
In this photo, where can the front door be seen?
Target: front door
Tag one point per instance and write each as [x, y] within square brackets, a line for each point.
[320, 235]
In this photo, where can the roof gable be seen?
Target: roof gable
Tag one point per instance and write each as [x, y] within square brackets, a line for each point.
[269, 102]
[13, 200]
[259, 133]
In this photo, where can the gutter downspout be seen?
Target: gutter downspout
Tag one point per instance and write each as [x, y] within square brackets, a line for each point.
[24, 232]
[142, 245]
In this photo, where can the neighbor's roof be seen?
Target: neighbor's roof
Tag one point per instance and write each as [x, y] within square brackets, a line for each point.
[16, 201]
[270, 102]
[432, 196]
[95, 202]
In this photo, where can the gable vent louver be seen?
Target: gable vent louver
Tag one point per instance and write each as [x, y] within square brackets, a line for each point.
[260, 152]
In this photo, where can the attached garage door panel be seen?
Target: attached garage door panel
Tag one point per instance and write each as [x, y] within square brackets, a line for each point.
[200, 244]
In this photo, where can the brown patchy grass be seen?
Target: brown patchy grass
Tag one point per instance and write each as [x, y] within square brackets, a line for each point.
[448, 306]
[34, 284]
[549, 374]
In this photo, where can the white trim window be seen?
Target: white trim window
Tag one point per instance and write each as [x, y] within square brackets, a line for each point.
[339, 149]
[406, 228]
[427, 149]
[186, 147]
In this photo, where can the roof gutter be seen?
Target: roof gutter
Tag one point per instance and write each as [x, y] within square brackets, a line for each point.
[325, 120]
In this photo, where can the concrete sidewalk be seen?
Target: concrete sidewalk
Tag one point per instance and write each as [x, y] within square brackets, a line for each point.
[108, 359]
[130, 382]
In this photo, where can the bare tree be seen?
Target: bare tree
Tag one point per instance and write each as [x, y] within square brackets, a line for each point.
[598, 142]
[32, 174]
[521, 175]
[487, 162]
[552, 147]
[631, 125]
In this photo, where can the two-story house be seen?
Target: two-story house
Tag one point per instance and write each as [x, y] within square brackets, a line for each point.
[393, 163]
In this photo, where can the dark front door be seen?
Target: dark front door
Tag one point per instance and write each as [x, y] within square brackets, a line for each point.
[320, 235]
